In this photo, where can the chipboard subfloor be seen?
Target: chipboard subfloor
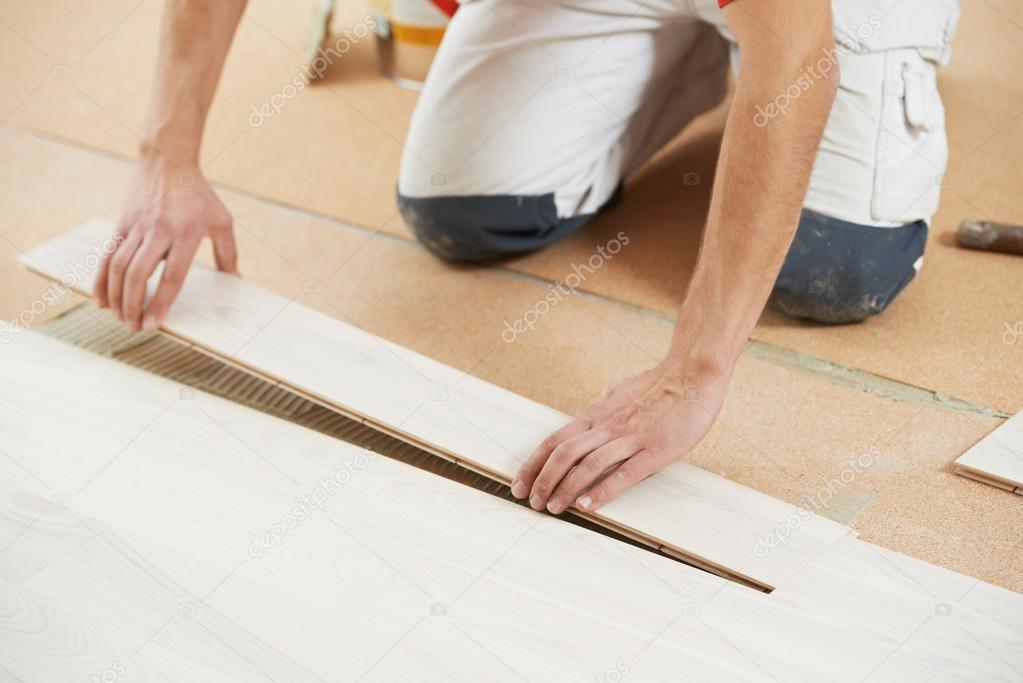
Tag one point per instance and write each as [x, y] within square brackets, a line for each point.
[334, 150]
[909, 500]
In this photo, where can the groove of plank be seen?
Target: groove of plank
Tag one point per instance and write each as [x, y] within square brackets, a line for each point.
[700, 516]
[97, 331]
[997, 459]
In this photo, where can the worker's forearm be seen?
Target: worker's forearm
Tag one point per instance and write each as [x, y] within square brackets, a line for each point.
[195, 37]
[761, 181]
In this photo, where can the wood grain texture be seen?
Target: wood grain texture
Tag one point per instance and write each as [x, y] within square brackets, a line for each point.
[163, 520]
[998, 457]
[694, 513]
[874, 614]
[133, 534]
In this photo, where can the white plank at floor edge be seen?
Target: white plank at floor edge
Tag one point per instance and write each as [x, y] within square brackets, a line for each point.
[999, 455]
[43, 640]
[406, 575]
[341, 591]
[687, 509]
[874, 614]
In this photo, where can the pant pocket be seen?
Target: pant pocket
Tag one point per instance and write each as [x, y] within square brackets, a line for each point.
[912, 149]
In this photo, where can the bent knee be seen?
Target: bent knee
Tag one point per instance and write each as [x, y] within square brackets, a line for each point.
[484, 227]
[838, 272]
[443, 224]
[835, 297]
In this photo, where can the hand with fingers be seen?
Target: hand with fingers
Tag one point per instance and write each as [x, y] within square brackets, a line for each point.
[167, 214]
[643, 425]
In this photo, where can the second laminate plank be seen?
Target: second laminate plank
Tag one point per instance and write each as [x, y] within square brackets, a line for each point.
[693, 512]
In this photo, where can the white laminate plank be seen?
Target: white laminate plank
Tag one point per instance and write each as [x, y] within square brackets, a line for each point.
[698, 514]
[404, 575]
[337, 596]
[999, 455]
[869, 614]
[34, 533]
[43, 640]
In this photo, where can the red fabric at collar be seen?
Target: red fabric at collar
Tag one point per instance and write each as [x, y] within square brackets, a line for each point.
[722, 3]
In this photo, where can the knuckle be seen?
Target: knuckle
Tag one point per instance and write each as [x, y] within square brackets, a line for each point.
[173, 278]
[187, 228]
[592, 465]
[119, 261]
[530, 469]
[124, 226]
[619, 421]
[572, 485]
[542, 487]
[136, 272]
[162, 224]
[563, 452]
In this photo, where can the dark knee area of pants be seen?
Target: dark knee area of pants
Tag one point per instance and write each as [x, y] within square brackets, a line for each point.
[841, 272]
[485, 227]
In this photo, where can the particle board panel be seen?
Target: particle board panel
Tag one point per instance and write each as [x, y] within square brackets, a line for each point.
[150, 564]
[87, 187]
[960, 299]
[452, 413]
[334, 149]
[998, 457]
[354, 113]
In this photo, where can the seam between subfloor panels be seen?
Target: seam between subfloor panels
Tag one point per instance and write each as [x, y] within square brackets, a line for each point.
[862, 380]
[836, 373]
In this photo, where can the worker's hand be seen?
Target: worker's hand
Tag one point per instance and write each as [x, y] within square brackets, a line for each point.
[643, 425]
[167, 214]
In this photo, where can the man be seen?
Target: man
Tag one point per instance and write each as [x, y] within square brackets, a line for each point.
[533, 114]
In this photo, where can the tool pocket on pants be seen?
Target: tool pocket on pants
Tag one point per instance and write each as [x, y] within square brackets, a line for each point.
[912, 150]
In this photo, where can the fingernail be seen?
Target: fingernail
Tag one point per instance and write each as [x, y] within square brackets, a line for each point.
[519, 489]
[536, 502]
[585, 502]
[554, 507]
[149, 324]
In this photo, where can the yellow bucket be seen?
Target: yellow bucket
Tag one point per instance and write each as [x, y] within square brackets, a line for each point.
[408, 34]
